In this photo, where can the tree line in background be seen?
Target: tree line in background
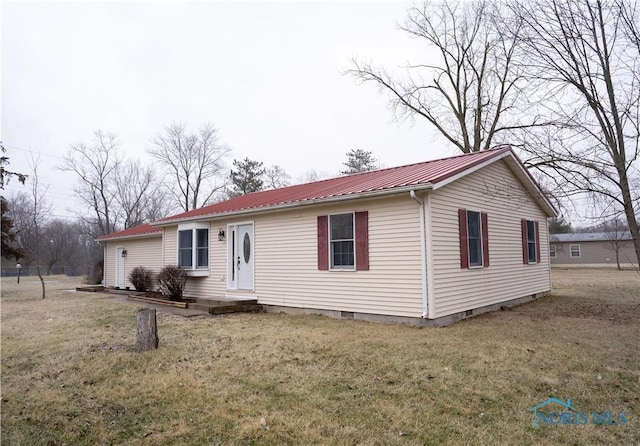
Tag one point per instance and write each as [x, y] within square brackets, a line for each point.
[119, 193]
[556, 79]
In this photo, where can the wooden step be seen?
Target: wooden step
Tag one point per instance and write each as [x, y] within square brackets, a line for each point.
[207, 303]
[90, 288]
[153, 300]
[241, 308]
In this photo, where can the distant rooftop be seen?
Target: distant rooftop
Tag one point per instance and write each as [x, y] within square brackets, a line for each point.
[590, 237]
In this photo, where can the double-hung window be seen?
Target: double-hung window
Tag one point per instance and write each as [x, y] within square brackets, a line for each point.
[193, 246]
[474, 238]
[552, 251]
[530, 241]
[342, 241]
[574, 250]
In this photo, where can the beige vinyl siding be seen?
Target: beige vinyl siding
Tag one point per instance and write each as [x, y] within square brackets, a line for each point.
[285, 261]
[214, 285]
[140, 252]
[202, 287]
[110, 263]
[496, 191]
[170, 252]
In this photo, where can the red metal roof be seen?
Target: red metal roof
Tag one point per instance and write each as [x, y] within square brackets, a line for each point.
[137, 231]
[419, 174]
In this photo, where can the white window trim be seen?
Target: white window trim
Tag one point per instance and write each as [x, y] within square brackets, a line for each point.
[194, 270]
[353, 222]
[571, 251]
[553, 251]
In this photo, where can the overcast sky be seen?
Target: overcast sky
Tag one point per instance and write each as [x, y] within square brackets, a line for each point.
[267, 75]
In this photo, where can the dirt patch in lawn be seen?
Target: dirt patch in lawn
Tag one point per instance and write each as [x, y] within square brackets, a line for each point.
[616, 314]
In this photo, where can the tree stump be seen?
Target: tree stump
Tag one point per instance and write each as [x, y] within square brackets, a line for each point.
[147, 338]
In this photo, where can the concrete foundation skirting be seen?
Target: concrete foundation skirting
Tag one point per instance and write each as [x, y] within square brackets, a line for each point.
[412, 321]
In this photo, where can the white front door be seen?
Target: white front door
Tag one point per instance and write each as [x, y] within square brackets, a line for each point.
[240, 256]
[119, 268]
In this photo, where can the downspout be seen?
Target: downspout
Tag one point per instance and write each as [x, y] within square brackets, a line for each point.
[104, 263]
[423, 255]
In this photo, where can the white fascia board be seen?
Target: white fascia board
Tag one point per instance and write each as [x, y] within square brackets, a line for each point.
[127, 237]
[518, 170]
[470, 170]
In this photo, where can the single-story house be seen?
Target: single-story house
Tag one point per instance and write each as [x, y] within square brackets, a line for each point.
[592, 248]
[426, 243]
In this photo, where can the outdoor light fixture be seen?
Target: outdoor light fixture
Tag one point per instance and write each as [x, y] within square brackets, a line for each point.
[124, 253]
[221, 235]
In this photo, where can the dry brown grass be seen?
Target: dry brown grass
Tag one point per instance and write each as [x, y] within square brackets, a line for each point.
[70, 374]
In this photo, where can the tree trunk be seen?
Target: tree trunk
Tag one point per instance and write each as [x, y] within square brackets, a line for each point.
[44, 293]
[147, 338]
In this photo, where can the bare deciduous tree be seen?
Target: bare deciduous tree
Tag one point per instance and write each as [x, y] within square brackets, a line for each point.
[276, 177]
[95, 165]
[60, 243]
[195, 161]
[138, 194]
[40, 211]
[615, 231]
[588, 54]
[472, 94]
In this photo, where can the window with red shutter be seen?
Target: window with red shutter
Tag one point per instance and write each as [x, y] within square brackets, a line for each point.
[473, 231]
[362, 241]
[343, 241]
[530, 241]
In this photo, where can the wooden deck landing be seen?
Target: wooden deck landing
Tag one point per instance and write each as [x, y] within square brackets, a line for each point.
[210, 306]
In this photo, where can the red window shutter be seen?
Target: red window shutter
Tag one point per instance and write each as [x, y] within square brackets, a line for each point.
[323, 242]
[485, 239]
[537, 243]
[464, 241]
[362, 241]
[525, 249]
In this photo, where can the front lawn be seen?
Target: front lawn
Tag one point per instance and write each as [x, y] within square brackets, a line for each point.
[70, 373]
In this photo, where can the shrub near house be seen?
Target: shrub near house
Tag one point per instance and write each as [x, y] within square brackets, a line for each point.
[141, 278]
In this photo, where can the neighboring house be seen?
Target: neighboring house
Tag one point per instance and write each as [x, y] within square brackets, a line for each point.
[438, 240]
[592, 248]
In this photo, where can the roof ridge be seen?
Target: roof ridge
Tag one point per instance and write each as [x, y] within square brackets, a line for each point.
[402, 166]
[423, 173]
